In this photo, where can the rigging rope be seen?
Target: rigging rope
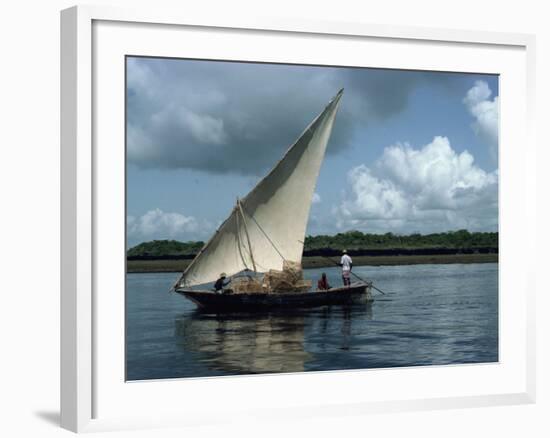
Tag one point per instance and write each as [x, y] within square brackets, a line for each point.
[264, 233]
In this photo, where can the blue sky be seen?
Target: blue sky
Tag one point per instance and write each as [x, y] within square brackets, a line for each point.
[410, 151]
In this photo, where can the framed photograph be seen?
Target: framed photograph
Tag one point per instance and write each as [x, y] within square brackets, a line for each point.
[268, 218]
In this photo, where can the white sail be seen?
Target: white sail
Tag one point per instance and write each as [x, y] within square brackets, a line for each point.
[269, 224]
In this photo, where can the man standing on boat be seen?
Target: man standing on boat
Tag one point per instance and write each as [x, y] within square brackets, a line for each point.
[346, 264]
[220, 284]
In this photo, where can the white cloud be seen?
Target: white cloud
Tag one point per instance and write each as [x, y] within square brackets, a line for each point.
[203, 128]
[157, 224]
[486, 113]
[428, 189]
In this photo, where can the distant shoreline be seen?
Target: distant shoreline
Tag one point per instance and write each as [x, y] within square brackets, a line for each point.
[178, 265]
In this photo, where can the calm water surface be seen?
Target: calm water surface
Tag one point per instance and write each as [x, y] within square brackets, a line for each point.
[430, 315]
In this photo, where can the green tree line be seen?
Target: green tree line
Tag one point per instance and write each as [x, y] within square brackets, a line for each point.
[460, 239]
[156, 248]
[354, 240]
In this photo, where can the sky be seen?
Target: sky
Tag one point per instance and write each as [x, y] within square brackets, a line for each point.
[410, 151]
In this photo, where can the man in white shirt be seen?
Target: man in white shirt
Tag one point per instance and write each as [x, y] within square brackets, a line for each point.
[346, 264]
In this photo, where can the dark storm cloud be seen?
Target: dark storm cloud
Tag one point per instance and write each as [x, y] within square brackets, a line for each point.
[237, 117]
[381, 92]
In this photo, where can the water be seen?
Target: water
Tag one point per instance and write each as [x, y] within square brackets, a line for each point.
[430, 315]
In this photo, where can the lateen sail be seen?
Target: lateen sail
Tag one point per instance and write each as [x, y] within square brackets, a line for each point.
[269, 224]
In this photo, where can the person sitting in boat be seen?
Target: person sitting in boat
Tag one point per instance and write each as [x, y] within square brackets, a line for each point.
[322, 284]
[346, 264]
[220, 283]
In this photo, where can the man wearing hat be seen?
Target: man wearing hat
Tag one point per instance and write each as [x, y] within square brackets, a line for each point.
[219, 285]
[346, 264]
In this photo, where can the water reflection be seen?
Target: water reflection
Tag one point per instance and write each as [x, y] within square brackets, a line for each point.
[264, 343]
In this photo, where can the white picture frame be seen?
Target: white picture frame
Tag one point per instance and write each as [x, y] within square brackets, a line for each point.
[93, 397]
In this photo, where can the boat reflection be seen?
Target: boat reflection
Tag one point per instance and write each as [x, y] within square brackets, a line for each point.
[244, 343]
[247, 343]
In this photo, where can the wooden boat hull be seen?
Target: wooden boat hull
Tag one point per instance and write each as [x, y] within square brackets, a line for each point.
[230, 302]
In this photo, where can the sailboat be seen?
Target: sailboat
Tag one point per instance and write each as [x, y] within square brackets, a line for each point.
[264, 234]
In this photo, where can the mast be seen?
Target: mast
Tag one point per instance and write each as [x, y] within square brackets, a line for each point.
[246, 232]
